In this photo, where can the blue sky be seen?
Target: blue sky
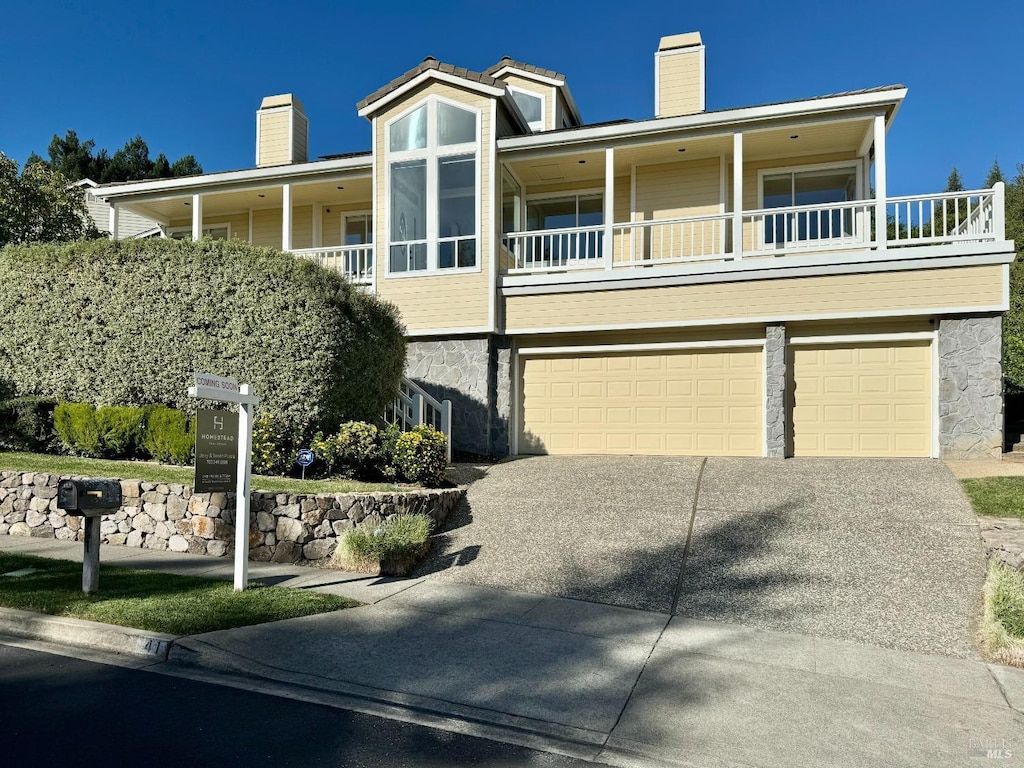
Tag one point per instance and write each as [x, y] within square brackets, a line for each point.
[189, 76]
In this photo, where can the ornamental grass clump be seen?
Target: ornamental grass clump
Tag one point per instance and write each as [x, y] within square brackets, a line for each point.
[392, 548]
[1002, 625]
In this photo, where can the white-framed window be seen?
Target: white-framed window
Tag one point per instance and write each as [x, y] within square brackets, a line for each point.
[821, 190]
[532, 105]
[580, 214]
[216, 231]
[433, 183]
[357, 228]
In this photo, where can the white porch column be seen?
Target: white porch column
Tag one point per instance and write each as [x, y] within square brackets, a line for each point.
[286, 217]
[197, 217]
[881, 221]
[737, 195]
[318, 226]
[999, 211]
[609, 207]
[114, 221]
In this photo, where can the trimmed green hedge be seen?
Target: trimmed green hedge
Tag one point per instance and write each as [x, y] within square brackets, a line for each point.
[129, 322]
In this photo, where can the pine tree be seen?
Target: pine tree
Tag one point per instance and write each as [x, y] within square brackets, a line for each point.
[995, 175]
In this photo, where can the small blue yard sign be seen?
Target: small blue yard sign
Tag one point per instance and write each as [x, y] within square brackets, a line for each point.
[304, 458]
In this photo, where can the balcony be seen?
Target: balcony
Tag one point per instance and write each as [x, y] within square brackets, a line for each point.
[354, 262]
[923, 220]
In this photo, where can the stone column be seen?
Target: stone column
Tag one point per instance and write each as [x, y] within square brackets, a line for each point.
[775, 391]
[970, 387]
[501, 394]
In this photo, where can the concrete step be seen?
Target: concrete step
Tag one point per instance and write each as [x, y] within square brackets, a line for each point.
[1017, 457]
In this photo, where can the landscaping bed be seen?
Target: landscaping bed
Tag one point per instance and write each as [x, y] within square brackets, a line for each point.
[999, 504]
[157, 602]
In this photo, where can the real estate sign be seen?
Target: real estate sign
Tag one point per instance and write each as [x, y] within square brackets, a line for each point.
[216, 450]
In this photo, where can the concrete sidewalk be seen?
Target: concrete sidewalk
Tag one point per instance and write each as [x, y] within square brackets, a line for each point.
[610, 684]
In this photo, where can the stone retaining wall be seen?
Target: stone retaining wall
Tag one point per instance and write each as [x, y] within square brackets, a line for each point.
[283, 528]
[1002, 538]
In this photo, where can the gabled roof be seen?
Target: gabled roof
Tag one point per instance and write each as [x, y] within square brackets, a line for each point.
[508, 61]
[429, 64]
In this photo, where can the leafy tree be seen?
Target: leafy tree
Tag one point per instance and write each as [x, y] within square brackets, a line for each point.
[38, 205]
[1013, 322]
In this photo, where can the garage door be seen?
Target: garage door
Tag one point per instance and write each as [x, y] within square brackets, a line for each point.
[680, 402]
[862, 399]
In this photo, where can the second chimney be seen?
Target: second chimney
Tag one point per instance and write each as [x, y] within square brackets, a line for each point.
[679, 76]
[282, 131]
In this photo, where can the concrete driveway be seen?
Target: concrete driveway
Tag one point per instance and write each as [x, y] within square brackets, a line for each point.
[877, 551]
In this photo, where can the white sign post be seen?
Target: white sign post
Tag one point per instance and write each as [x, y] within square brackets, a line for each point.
[225, 390]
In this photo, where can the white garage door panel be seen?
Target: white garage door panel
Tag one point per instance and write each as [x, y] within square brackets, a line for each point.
[868, 399]
[680, 402]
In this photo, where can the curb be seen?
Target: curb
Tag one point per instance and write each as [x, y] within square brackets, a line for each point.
[86, 634]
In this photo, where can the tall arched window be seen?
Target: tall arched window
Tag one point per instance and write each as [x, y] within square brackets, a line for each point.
[433, 188]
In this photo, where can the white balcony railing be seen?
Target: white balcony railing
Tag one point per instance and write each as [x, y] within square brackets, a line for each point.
[355, 262]
[810, 227]
[947, 217]
[937, 219]
[556, 249]
[664, 241]
[415, 406]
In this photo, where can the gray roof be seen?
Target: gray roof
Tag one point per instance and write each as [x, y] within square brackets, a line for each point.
[508, 61]
[430, 63]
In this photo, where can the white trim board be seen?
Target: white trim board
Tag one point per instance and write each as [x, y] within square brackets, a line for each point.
[862, 338]
[749, 269]
[430, 74]
[641, 347]
[757, 320]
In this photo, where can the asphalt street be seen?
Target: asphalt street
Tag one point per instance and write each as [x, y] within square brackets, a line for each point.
[65, 711]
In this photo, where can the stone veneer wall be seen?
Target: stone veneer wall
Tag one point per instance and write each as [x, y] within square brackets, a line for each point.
[474, 372]
[283, 528]
[970, 388]
[775, 391]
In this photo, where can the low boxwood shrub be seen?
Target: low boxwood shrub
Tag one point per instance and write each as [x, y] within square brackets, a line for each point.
[354, 451]
[76, 428]
[170, 435]
[421, 456]
[121, 430]
[392, 548]
[110, 432]
[26, 424]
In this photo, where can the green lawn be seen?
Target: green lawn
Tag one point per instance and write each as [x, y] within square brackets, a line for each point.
[997, 496]
[158, 602]
[152, 472]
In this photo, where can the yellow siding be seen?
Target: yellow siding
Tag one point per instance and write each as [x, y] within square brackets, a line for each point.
[705, 402]
[438, 302]
[895, 292]
[302, 226]
[622, 199]
[274, 148]
[679, 83]
[862, 399]
[266, 227]
[673, 190]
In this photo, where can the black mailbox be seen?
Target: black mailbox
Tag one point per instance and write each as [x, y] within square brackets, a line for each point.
[90, 498]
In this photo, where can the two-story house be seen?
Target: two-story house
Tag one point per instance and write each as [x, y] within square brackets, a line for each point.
[731, 282]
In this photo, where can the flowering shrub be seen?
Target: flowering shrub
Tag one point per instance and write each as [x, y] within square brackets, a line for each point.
[355, 450]
[421, 455]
